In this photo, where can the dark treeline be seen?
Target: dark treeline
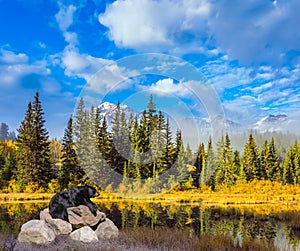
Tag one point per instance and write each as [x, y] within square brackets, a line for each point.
[138, 148]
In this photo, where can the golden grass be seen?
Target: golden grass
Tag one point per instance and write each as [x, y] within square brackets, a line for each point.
[262, 197]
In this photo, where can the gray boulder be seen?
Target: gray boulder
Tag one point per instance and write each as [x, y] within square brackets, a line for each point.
[44, 214]
[107, 230]
[82, 216]
[84, 234]
[57, 225]
[36, 231]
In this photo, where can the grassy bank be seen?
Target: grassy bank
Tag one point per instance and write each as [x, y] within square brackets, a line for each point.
[252, 193]
[144, 239]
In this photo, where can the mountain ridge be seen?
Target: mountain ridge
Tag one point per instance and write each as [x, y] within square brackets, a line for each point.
[271, 122]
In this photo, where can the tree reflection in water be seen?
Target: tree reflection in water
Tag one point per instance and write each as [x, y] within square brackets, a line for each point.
[240, 224]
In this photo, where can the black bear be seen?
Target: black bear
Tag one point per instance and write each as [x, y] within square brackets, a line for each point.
[72, 198]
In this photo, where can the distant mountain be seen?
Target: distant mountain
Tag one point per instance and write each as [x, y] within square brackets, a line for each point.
[223, 125]
[108, 109]
[273, 123]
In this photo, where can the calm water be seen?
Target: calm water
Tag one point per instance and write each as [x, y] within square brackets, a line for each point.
[198, 220]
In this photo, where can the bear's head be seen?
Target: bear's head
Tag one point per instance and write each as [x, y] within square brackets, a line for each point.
[92, 192]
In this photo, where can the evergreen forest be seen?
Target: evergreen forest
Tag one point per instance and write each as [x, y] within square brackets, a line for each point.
[132, 154]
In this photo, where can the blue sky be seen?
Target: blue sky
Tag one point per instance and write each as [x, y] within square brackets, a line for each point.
[249, 51]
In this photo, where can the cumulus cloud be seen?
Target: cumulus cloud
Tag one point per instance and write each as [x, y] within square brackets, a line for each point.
[9, 57]
[147, 24]
[256, 31]
[167, 87]
[14, 66]
[249, 31]
[64, 19]
[78, 64]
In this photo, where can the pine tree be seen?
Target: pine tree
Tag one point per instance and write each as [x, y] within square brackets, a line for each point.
[44, 168]
[144, 146]
[25, 161]
[151, 115]
[180, 170]
[135, 165]
[169, 149]
[272, 165]
[297, 163]
[291, 168]
[104, 140]
[158, 143]
[70, 172]
[117, 144]
[263, 160]
[81, 132]
[34, 154]
[94, 171]
[208, 170]
[199, 166]
[224, 171]
[236, 164]
[250, 160]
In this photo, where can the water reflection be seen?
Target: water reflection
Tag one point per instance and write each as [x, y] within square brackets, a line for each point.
[238, 223]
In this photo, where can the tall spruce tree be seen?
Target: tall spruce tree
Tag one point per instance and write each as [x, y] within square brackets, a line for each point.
[117, 143]
[25, 161]
[70, 172]
[236, 164]
[224, 171]
[104, 140]
[291, 168]
[44, 168]
[94, 171]
[169, 149]
[34, 154]
[272, 164]
[152, 117]
[199, 166]
[263, 160]
[207, 174]
[250, 160]
[82, 131]
[144, 146]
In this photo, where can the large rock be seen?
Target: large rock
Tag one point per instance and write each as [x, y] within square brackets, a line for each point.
[107, 230]
[59, 226]
[36, 231]
[82, 216]
[44, 214]
[84, 234]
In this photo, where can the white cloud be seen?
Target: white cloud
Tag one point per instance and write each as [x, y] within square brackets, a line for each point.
[81, 65]
[64, 19]
[222, 75]
[9, 57]
[148, 24]
[15, 66]
[112, 78]
[252, 32]
[168, 87]
[256, 31]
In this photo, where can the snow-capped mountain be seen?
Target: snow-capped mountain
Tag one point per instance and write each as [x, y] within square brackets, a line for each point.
[273, 123]
[108, 109]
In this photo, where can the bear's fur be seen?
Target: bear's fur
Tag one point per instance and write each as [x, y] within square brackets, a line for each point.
[72, 198]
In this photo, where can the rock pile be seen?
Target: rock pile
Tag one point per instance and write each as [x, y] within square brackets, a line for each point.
[82, 226]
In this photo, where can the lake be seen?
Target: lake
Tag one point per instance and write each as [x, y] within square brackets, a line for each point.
[281, 228]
